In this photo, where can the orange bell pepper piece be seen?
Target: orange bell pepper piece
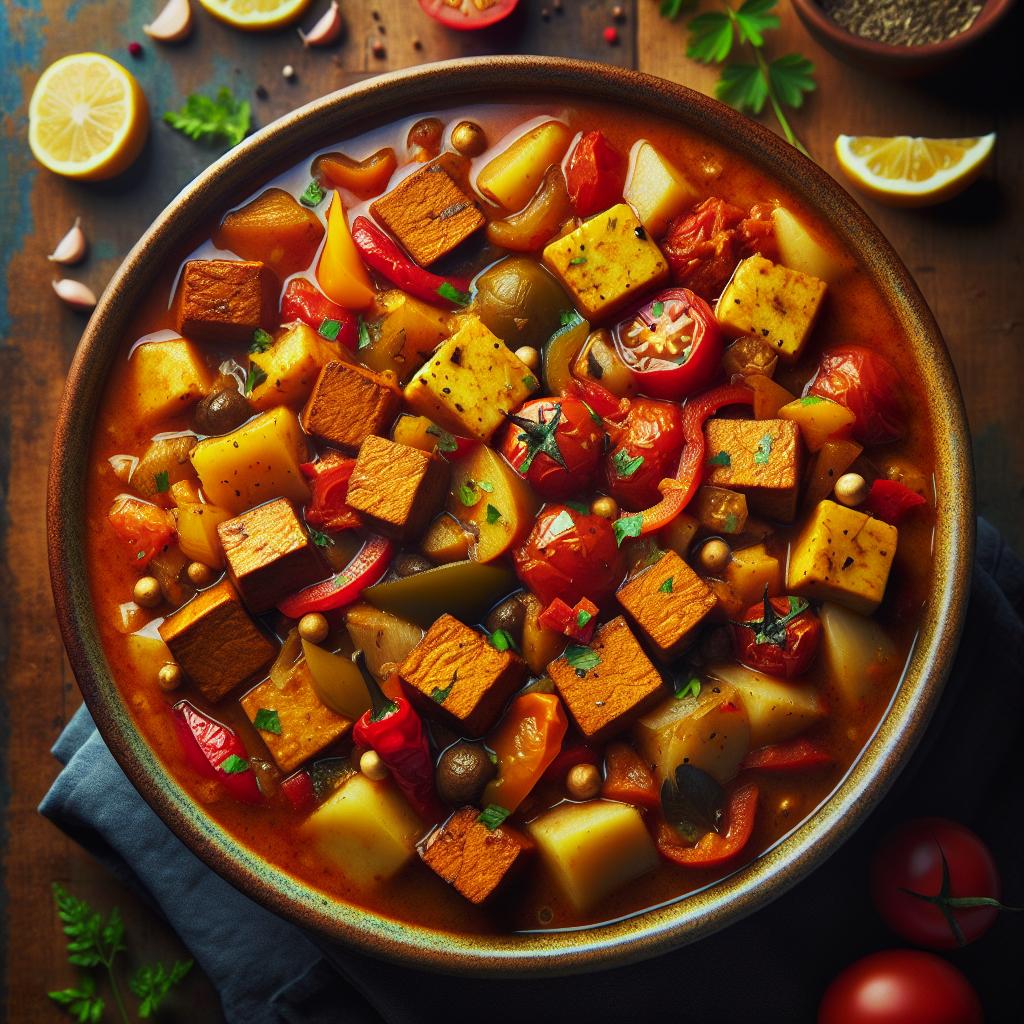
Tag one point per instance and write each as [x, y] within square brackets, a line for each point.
[364, 178]
[628, 778]
[526, 741]
[341, 273]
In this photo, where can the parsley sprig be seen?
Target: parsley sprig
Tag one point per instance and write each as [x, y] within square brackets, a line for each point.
[222, 118]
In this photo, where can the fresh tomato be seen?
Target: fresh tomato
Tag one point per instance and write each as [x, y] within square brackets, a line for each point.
[716, 847]
[468, 14]
[869, 386]
[572, 555]
[892, 501]
[900, 986]
[302, 300]
[646, 451]
[672, 343]
[556, 444]
[145, 528]
[215, 751]
[327, 508]
[934, 883]
[780, 636]
[594, 175]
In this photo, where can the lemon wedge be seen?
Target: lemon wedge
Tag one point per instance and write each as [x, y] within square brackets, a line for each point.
[902, 170]
[87, 118]
[255, 15]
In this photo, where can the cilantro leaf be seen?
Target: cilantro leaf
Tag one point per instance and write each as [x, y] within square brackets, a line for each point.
[501, 640]
[203, 119]
[319, 538]
[448, 291]
[329, 329]
[753, 20]
[314, 194]
[469, 495]
[811, 400]
[268, 720]
[627, 526]
[744, 87]
[261, 341]
[577, 261]
[624, 465]
[445, 442]
[578, 506]
[569, 318]
[666, 587]
[439, 694]
[721, 459]
[764, 450]
[657, 309]
[582, 658]
[493, 815]
[234, 765]
[791, 76]
[710, 37]
[162, 482]
[364, 334]
[493, 514]
[253, 379]
[582, 618]
[152, 984]
[691, 688]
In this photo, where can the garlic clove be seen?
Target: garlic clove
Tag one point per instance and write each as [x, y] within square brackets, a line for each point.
[75, 294]
[326, 30]
[72, 247]
[172, 24]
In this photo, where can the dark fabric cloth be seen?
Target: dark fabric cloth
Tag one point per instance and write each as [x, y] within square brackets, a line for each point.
[771, 967]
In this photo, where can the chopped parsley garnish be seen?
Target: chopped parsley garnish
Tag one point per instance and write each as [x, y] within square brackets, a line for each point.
[529, 382]
[329, 329]
[261, 340]
[140, 555]
[253, 379]
[314, 194]
[501, 640]
[577, 261]
[657, 309]
[540, 436]
[562, 522]
[764, 450]
[582, 658]
[162, 482]
[691, 688]
[627, 526]
[811, 400]
[493, 514]
[448, 291]
[445, 442]
[624, 465]
[731, 523]
[582, 618]
[320, 539]
[267, 720]
[493, 815]
[468, 494]
[721, 459]
[666, 587]
[234, 765]
[203, 119]
[441, 695]
[485, 485]
[364, 333]
[569, 318]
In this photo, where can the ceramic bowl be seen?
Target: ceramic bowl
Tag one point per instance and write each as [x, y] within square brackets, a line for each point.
[380, 100]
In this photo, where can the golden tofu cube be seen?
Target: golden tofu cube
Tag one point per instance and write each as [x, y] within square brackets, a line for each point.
[762, 459]
[292, 365]
[606, 262]
[842, 555]
[403, 334]
[167, 377]
[771, 302]
[470, 383]
[656, 188]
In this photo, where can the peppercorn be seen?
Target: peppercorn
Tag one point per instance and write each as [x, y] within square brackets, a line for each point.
[611, 35]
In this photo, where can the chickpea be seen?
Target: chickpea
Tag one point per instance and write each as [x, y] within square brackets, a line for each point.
[314, 628]
[199, 575]
[147, 592]
[169, 676]
[529, 355]
[606, 508]
[372, 766]
[851, 489]
[714, 555]
[583, 782]
[469, 138]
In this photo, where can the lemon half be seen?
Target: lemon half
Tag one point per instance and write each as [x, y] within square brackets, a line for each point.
[255, 15]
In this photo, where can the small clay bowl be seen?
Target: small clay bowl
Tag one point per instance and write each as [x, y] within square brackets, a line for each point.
[897, 61]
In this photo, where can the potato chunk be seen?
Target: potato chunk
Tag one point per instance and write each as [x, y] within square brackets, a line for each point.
[593, 849]
[818, 419]
[292, 365]
[656, 188]
[771, 302]
[606, 262]
[800, 250]
[513, 176]
[366, 829]
[859, 654]
[403, 333]
[166, 378]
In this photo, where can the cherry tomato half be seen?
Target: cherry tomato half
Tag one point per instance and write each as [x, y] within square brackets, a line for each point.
[571, 555]
[779, 636]
[909, 860]
[469, 14]
[556, 444]
[595, 174]
[672, 343]
[900, 986]
[646, 452]
[869, 386]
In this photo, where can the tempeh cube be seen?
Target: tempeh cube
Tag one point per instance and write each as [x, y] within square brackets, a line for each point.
[225, 300]
[349, 403]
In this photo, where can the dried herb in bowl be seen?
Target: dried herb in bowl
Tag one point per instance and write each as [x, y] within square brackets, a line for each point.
[904, 22]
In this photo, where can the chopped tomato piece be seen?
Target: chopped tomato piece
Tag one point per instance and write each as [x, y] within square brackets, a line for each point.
[782, 757]
[715, 847]
[327, 508]
[892, 501]
[576, 623]
[145, 528]
[299, 792]
[628, 778]
[595, 175]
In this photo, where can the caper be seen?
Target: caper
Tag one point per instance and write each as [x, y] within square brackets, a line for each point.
[220, 412]
[462, 772]
[426, 134]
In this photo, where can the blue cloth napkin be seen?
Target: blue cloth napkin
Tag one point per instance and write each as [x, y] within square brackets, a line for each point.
[771, 967]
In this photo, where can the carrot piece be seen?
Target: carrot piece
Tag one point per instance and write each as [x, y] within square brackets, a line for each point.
[628, 779]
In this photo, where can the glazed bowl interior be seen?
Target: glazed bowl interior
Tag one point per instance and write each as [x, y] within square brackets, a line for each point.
[653, 931]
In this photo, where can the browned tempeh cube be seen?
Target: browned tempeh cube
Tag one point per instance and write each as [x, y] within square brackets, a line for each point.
[215, 641]
[269, 554]
[306, 726]
[765, 462]
[456, 673]
[349, 403]
[666, 603]
[225, 300]
[473, 858]
[428, 213]
[622, 685]
[395, 489]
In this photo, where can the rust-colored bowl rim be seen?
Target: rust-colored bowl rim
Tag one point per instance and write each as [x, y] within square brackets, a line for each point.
[652, 932]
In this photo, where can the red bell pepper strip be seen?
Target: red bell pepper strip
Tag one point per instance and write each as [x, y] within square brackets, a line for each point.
[576, 623]
[366, 568]
[215, 751]
[783, 757]
[677, 492]
[598, 398]
[302, 300]
[891, 501]
[381, 254]
[299, 792]
[145, 528]
[327, 508]
[395, 731]
[716, 847]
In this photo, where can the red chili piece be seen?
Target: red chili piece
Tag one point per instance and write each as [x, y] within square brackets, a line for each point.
[327, 508]
[784, 757]
[368, 567]
[299, 792]
[892, 501]
[207, 745]
[302, 300]
[716, 847]
[576, 623]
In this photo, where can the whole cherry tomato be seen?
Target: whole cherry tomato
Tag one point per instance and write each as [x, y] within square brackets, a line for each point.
[647, 450]
[900, 986]
[571, 555]
[595, 174]
[672, 343]
[929, 904]
[780, 636]
[869, 386]
[556, 444]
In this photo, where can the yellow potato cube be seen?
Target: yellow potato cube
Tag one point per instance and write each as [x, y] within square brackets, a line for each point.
[470, 382]
[800, 250]
[257, 462]
[414, 431]
[860, 656]
[366, 829]
[818, 419]
[147, 654]
[197, 532]
[446, 540]
[512, 177]
[404, 335]
[772, 302]
[292, 365]
[656, 188]
[593, 848]
[606, 261]
[167, 377]
[842, 555]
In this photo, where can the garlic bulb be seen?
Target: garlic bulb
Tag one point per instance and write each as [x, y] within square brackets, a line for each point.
[326, 30]
[72, 247]
[75, 294]
[173, 24]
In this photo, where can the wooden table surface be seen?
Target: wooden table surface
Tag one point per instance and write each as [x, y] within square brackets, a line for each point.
[966, 255]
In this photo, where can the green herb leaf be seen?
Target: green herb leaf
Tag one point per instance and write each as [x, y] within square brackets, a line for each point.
[657, 309]
[320, 539]
[203, 119]
[152, 984]
[234, 765]
[162, 482]
[624, 465]
[627, 526]
[501, 640]
[577, 261]
[582, 658]
[666, 587]
[731, 523]
[82, 1003]
[569, 318]
[261, 341]
[445, 442]
[578, 506]
[329, 329]
[582, 618]
[792, 76]
[314, 194]
[364, 334]
[441, 695]
[493, 815]
[744, 87]
[753, 19]
[493, 514]
[267, 720]
[691, 688]
[764, 450]
[448, 291]
[529, 382]
[721, 459]
[254, 378]
[469, 493]
[710, 37]
[811, 400]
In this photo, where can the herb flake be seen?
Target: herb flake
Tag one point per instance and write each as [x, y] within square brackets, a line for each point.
[267, 720]
[234, 765]
[445, 442]
[162, 481]
[206, 119]
[624, 465]
[501, 640]
[582, 658]
[627, 526]
[493, 815]
[319, 538]
[329, 329]
[492, 514]
[441, 695]
[691, 688]
[764, 450]
[261, 341]
[254, 378]
[721, 459]
[314, 194]
[449, 292]
[666, 587]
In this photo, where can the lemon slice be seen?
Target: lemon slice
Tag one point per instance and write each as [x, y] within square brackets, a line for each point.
[87, 118]
[905, 171]
[255, 15]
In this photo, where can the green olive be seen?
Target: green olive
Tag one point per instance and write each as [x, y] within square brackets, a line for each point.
[520, 302]
[462, 772]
